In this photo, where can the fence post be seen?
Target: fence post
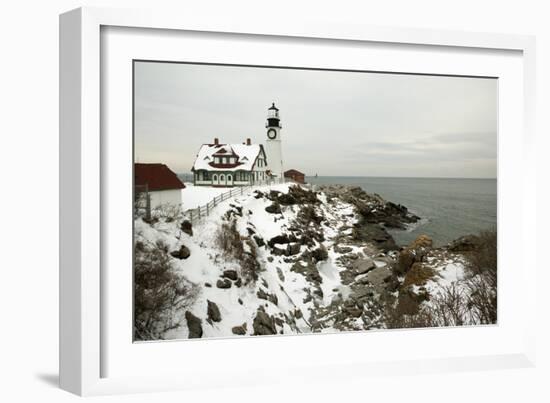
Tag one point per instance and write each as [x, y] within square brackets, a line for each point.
[207, 210]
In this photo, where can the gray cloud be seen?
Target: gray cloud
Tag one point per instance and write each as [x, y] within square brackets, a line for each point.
[334, 123]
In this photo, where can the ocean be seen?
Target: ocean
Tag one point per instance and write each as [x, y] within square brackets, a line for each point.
[448, 208]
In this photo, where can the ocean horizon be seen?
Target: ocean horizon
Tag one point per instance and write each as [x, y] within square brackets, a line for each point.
[448, 207]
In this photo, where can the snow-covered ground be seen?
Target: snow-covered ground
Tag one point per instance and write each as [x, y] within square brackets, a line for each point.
[333, 296]
[195, 196]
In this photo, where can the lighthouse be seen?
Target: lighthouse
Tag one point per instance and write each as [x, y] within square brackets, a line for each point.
[273, 143]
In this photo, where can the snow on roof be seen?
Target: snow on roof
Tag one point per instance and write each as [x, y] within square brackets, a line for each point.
[246, 153]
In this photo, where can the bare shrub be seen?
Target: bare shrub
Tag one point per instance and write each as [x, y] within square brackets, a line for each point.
[484, 257]
[240, 248]
[159, 292]
[167, 212]
[482, 284]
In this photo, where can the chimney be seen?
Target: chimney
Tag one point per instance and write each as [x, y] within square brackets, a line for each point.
[216, 141]
[248, 142]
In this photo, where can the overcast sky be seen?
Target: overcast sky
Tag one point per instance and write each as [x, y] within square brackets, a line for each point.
[334, 123]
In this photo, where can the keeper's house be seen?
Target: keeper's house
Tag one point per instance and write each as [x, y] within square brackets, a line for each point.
[228, 165]
[159, 183]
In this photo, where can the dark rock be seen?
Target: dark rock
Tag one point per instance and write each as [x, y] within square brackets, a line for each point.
[182, 253]
[298, 313]
[270, 259]
[292, 249]
[213, 312]
[392, 283]
[225, 283]
[239, 282]
[259, 240]
[239, 330]
[286, 199]
[207, 285]
[301, 195]
[279, 239]
[187, 227]
[413, 253]
[240, 301]
[320, 254]
[343, 249]
[355, 312]
[250, 231]
[363, 266]
[278, 251]
[274, 208]
[194, 325]
[230, 274]
[268, 297]
[264, 324]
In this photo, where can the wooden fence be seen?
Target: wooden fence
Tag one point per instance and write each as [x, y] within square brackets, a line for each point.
[205, 210]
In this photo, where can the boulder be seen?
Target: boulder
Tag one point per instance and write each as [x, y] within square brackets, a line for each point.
[259, 241]
[379, 278]
[413, 253]
[187, 227]
[230, 274]
[194, 325]
[225, 283]
[213, 312]
[466, 243]
[286, 199]
[363, 266]
[278, 251]
[343, 249]
[405, 261]
[239, 330]
[293, 249]
[264, 324]
[274, 208]
[320, 254]
[268, 297]
[182, 253]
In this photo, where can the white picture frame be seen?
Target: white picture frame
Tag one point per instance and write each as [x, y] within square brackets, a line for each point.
[83, 307]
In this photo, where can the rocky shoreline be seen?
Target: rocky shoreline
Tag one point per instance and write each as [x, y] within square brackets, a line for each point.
[289, 259]
[376, 215]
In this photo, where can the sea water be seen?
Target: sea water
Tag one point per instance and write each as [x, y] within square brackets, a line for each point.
[448, 208]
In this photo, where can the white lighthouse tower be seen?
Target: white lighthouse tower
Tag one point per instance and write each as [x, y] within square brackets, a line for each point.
[273, 143]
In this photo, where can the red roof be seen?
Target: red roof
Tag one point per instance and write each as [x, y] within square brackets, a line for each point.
[156, 177]
[292, 172]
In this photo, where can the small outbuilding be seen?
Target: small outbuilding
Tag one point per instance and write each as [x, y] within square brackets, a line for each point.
[159, 183]
[295, 176]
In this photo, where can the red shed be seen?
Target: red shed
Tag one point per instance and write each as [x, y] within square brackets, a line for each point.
[295, 176]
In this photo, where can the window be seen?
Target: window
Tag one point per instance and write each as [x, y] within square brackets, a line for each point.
[222, 178]
[229, 178]
[215, 178]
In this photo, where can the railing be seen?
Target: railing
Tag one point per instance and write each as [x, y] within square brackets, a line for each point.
[205, 210]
